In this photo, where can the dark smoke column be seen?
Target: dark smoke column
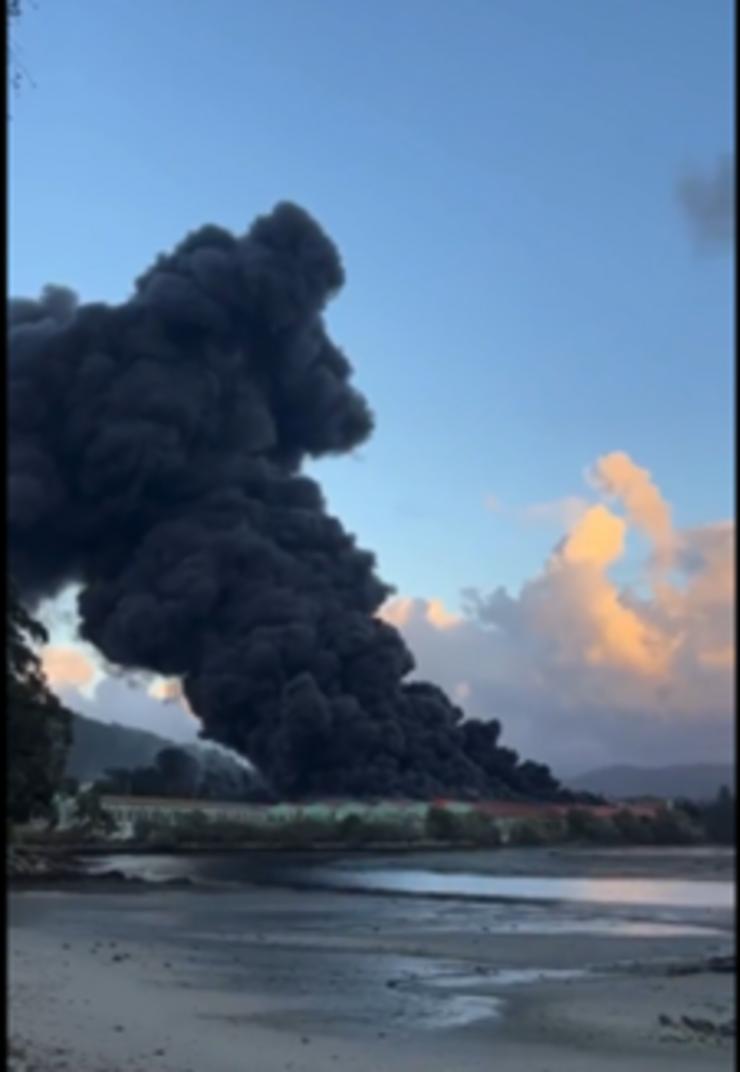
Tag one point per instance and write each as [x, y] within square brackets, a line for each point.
[155, 454]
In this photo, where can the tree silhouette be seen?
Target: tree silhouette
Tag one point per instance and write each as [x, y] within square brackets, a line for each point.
[38, 726]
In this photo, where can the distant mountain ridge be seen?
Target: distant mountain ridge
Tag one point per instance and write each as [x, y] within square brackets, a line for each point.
[693, 781]
[96, 746]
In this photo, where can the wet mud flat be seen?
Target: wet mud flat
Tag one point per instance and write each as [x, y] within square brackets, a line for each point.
[267, 977]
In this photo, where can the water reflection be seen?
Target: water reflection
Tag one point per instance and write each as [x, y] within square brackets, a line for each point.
[634, 907]
[673, 893]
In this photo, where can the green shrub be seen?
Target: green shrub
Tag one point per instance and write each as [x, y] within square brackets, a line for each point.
[442, 824]
[671, 826]
[585, 826]
[230, 831]
[356, 830]
[190, 826]
[556, 830]
[527, 834]
[303, 832]
[633, 829]
[196, 828]
[145, 828]
[351, 830]
[668, 826]
[471, 827]
[480, 829]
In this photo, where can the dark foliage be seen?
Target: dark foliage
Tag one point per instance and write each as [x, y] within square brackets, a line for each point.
[717, 819]
[37, 724]
[186, 773]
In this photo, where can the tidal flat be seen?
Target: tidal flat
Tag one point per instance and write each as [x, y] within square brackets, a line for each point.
[563, 961]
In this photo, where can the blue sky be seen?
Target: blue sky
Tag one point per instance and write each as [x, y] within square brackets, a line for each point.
[500, 176]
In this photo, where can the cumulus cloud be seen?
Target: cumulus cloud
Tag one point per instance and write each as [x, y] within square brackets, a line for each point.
[620, 478]
[708, 202]
[169, 691]
[400, 611]
[582, 671]
[67, 667]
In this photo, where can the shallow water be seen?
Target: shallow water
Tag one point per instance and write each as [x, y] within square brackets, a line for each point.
[667, 893]
[230, 869]
[627, 907]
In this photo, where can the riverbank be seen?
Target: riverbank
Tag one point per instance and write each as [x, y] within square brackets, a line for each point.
[76, 860]
[276, 979]
[571, 859]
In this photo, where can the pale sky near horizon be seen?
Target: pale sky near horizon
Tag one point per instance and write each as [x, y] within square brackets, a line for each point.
[528, 290]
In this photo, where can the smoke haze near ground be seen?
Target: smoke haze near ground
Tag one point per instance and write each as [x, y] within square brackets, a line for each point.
[155, 454]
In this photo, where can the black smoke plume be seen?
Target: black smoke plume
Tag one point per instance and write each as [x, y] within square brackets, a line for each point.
[155, 456]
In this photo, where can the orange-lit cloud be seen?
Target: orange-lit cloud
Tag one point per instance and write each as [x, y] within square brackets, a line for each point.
[720, 658]
[169, 690]
[67, 667]
[399, 611]
[597, 539]
[615, 635]
[577, 663]
[439, 616]
[618, 476]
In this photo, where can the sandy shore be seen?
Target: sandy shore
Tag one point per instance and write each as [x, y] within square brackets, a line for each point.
[279, 980]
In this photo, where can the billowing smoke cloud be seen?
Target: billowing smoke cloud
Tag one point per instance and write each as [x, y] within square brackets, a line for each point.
[708, 200]
[585, 671]
[155, 454]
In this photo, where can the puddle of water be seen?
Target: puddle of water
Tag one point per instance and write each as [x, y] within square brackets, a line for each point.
[464, 1009]
[508, 977]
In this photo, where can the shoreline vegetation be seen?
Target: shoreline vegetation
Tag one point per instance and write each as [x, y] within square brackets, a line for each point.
[53, 852]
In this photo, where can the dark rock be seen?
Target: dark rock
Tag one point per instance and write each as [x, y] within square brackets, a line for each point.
[704, 1027]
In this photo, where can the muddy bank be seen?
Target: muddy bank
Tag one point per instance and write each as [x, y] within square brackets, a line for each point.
[571, 860]
[23, 864]
[304, 981]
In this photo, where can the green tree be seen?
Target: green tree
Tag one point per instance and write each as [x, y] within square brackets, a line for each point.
[38, 726]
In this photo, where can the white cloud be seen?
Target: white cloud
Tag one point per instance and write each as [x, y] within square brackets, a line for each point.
[580, 671]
